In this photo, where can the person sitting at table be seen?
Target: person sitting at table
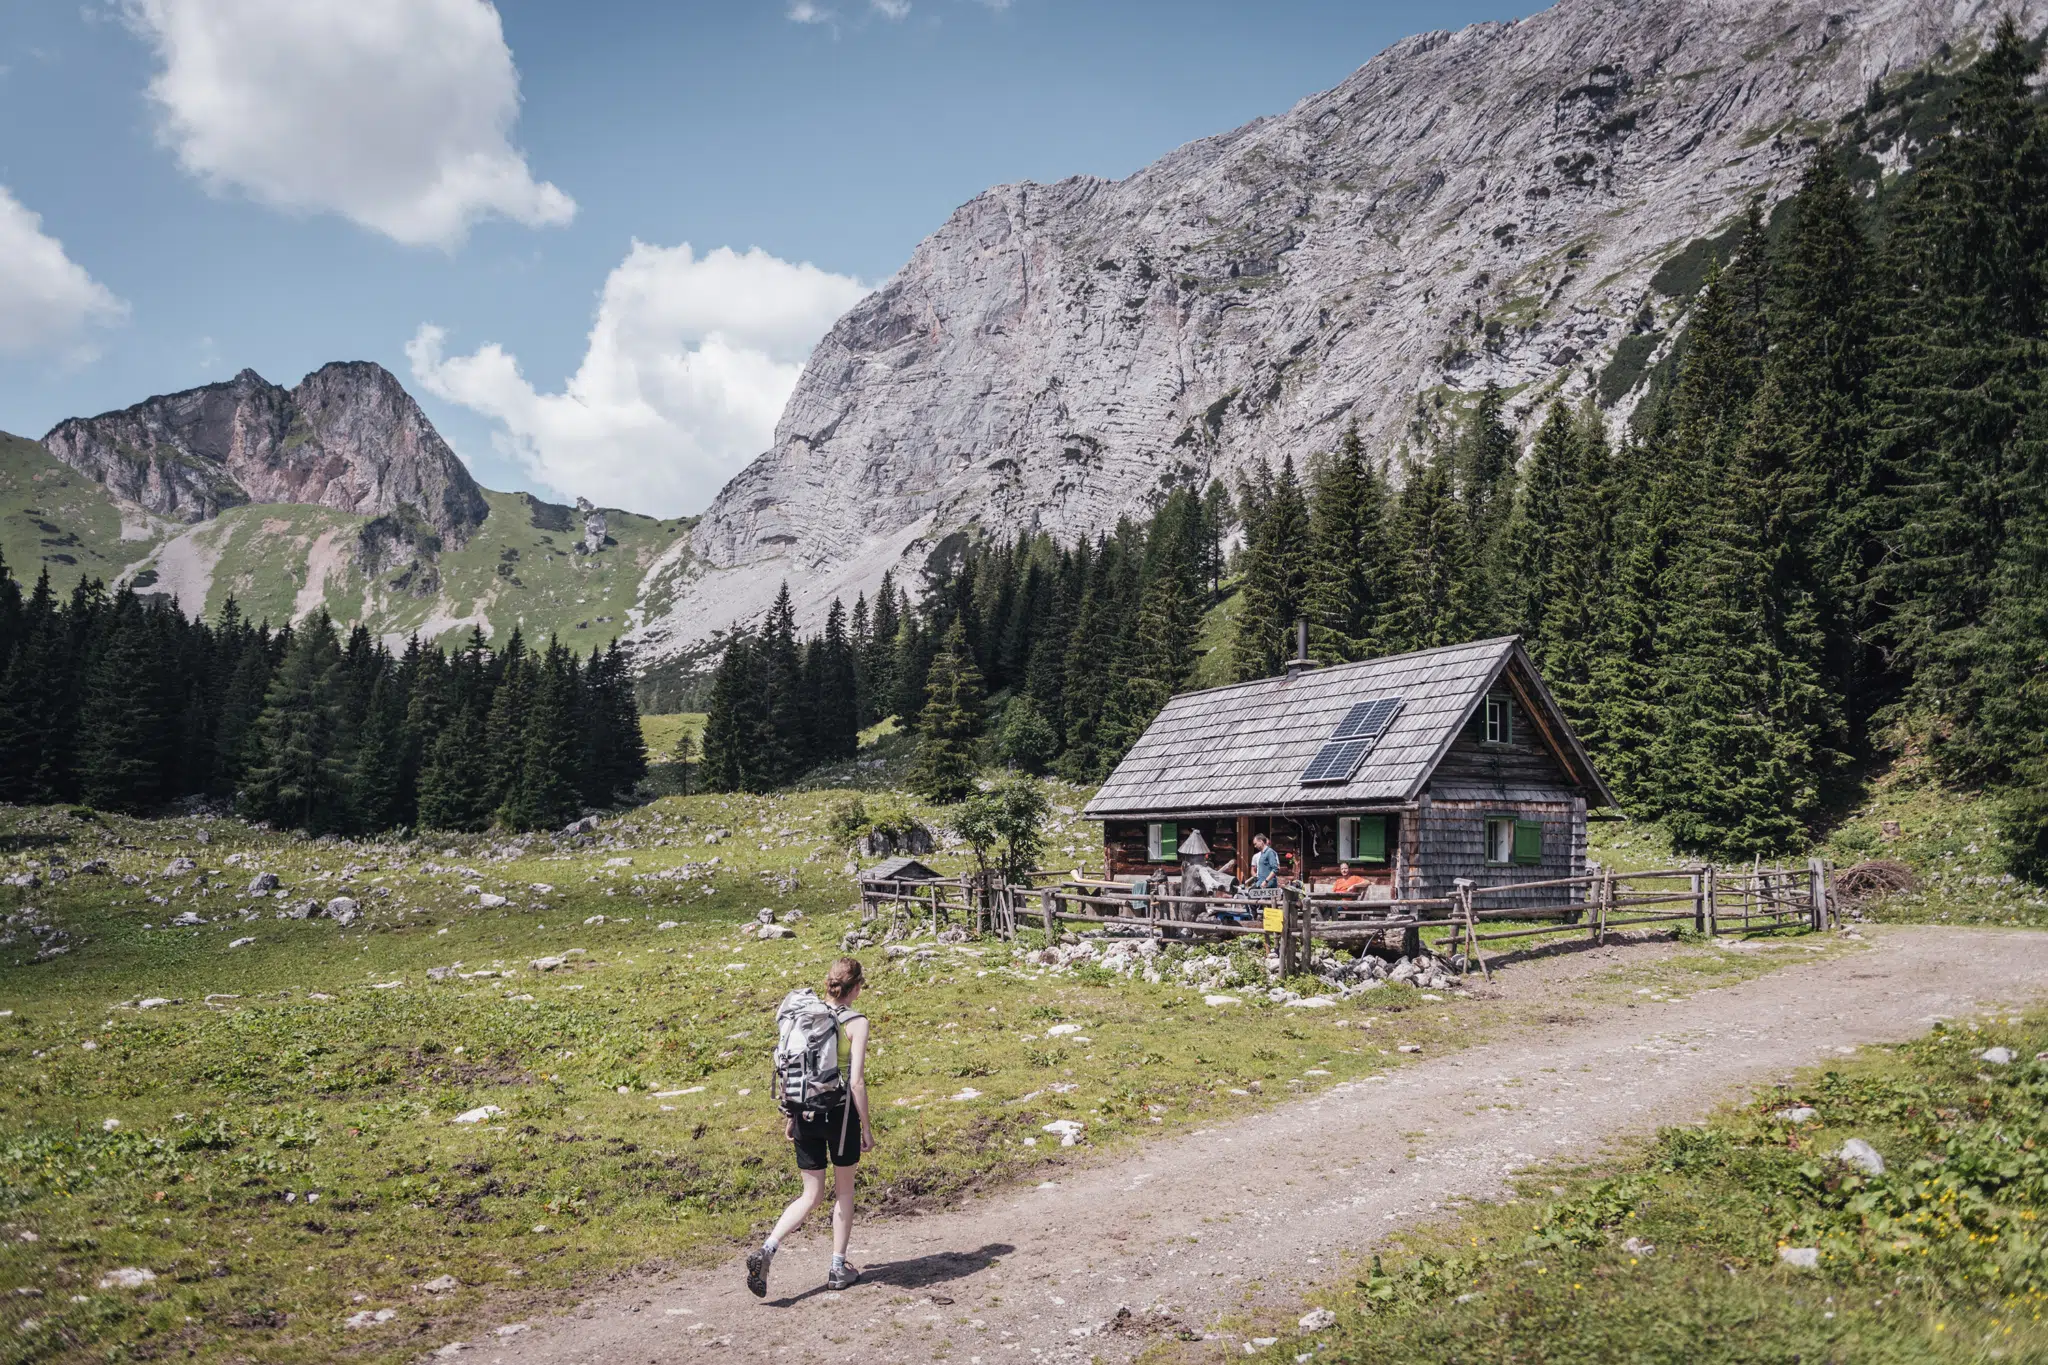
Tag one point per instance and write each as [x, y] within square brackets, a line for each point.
[1348, 882]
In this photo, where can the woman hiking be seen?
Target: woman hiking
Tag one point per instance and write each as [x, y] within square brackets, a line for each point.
[825, 1112]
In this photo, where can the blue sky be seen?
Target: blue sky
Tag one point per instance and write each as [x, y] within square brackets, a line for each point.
[188, 187]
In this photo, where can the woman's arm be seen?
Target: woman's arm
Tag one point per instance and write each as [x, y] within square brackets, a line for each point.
[857, 1077]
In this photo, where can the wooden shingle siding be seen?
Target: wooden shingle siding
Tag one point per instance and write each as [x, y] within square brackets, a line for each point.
[1452, 844]
[1526, 763]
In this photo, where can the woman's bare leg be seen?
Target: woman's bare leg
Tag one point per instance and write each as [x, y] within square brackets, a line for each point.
[842, 1208]
[801, 1206]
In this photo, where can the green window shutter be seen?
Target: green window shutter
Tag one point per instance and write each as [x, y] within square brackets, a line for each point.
[1528, 841]
[1169, 842]
[1372, 839]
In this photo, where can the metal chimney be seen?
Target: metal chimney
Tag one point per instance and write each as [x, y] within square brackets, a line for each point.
[1300, 663]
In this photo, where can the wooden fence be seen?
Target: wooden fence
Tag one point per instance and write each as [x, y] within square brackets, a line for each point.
[1710, 900]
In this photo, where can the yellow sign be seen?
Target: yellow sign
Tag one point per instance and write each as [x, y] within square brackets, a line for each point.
[1276, 918]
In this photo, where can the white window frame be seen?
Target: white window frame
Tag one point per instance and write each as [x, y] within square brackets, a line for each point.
[1498, 722]
[1155, 839]
[1347, 838]
[1500, 852]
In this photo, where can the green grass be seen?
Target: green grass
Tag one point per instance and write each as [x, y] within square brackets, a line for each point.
[52, 517]
[662, 733]
[282, 1071]
[1670, 1251]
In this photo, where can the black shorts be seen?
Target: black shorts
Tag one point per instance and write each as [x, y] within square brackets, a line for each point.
[827, 1134]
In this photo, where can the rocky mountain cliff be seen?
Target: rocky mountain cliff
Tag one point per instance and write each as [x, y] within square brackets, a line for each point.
[1492, 205]
[348, 437]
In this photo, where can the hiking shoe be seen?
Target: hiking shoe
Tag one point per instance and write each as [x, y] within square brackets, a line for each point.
[758, 1261]
[845, 1277]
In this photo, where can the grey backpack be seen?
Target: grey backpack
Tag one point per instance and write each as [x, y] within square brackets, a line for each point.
[807, 1074]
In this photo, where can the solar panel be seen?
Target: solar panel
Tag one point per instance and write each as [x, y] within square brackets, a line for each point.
[1337, 761]
[1361, 728]
[1368, 719]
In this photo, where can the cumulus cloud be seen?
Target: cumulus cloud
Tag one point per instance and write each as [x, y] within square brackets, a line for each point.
[804, 12]
[689, 363]
[48, 302]
[396, 114]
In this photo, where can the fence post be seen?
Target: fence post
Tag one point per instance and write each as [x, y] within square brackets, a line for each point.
[1287, 913]
[1713, 915]
[1699, 905]
[1817, 892]
[1308, 945]
[1047, 899]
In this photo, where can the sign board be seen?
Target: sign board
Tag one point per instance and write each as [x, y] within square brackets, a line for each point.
[1276, 918]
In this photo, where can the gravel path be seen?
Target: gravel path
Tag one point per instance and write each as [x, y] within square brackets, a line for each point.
[1186, 1225]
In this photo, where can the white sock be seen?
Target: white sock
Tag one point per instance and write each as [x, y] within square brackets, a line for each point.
[769, 1245]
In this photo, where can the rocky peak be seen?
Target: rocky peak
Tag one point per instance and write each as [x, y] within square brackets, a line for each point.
[1487, 206]
[348, 436]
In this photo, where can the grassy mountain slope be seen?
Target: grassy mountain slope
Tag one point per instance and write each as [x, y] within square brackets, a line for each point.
[284, 561]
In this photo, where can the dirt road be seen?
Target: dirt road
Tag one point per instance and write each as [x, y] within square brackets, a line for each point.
[1187, 1224]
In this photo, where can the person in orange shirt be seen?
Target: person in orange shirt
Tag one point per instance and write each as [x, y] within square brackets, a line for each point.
[1348, 882]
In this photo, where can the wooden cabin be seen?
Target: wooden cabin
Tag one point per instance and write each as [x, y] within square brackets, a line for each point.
[1415, 770]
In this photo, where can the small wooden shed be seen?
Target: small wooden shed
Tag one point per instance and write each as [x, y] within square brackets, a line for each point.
[1414, 770]
[898, 870]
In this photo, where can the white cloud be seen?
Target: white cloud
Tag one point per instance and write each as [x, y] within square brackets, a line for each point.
[804, 12]
[689, 363]
[396, 114]
[47, 300]
[892, 9]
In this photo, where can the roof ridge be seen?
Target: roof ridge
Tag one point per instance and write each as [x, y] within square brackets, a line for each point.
[1354, 663]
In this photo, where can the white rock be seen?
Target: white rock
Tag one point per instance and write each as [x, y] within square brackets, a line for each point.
[594, 919]
[262, 882]
[1636, 1246]
[441, 1284]
[968, 1093]
[1997, 1056]
[667, 924]
[1057, 1030]
[369, 1319]
[478, 1114]
[109, 1125]
[178, 867]
[1219, 1000]
[775, 931]
[187, 920]
[1798, 1113]
[618, 862]
[513, 1329]
[1805, 1258]
[343, 910]
[127, 1277]
[1068, 1131]
[1409, 1047]
[1316, 1320]
[1313, 1002]
[153, 1002]
[546, 964]
[1860, 1154]
[490, 900]
[241, 943]
[541, 889]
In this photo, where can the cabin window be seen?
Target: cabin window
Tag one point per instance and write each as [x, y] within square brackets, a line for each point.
[1513, 842]
[1362, 839]
[1162, 841]
[1500, 721]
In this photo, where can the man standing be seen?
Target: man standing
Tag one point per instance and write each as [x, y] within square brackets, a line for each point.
[1265, 863]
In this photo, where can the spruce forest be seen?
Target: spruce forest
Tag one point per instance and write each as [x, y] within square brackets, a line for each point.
[121, 703]
[1822, 541]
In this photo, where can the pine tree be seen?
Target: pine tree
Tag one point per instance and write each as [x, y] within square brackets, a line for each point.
[1275, 579]
[1350, 572]
[122, 722]
[552, 761]
[455, 776]
[835, 717]
[737, 749]
[298, 771]
[950, 724]
[1438, 580]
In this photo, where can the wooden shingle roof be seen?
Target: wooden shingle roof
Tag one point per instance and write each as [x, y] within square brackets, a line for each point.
[1244, 748]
